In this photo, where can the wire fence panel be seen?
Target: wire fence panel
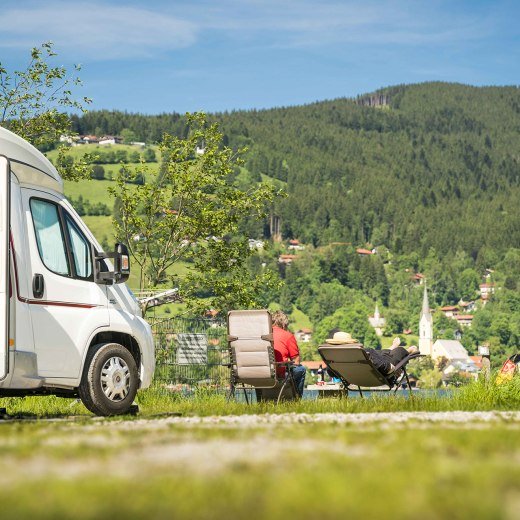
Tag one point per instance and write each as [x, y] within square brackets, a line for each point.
[191, 351]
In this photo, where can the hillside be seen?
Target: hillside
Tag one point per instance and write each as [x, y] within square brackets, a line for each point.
[436, 166]
[428, 174]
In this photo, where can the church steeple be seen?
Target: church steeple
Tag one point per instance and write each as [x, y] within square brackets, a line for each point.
[425, 326]
[425, 303]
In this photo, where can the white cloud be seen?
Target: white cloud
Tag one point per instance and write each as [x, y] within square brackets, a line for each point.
[95, 31]
[314, 22]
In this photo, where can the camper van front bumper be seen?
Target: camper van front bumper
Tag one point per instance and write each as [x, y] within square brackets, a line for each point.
[147, 353]
[25, 371]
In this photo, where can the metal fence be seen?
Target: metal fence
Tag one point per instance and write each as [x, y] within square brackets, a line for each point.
[191, 351]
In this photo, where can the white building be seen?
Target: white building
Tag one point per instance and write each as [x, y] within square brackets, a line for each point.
[377, 321]
[456, 355]
[451, 349]
[426, 327]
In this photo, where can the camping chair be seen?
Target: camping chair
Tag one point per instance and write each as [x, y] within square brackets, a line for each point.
[352, 365]
[250, 339]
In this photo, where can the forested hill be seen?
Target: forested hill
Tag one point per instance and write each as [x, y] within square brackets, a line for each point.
[437, 165]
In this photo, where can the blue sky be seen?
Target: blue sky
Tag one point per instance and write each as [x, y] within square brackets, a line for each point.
[178, 56]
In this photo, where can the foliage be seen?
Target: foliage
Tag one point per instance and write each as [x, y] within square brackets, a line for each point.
[431, 378]
[352, 319]
[437, 168]
[432, 182]
[33, 102]
[189, 211]
[84, 207]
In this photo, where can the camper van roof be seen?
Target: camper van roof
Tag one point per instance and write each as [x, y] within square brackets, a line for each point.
[21, 154]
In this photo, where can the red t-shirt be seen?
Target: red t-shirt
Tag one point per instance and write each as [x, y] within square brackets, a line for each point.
[285, 346]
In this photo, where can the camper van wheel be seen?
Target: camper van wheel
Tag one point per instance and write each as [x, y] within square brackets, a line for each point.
[110, 380]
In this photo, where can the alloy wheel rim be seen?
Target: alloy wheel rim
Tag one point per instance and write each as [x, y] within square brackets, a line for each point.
[115, 379]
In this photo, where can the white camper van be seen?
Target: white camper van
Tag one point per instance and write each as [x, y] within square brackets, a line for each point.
[69, 326]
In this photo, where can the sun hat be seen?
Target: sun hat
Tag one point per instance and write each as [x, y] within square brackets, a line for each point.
[341, 338]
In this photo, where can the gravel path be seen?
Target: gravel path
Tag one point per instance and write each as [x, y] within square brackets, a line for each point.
[379, 419]
[147, 447]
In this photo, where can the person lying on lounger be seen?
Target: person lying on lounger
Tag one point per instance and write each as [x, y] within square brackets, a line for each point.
[384, 360]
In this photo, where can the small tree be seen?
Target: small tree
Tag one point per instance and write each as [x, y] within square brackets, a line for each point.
[33, 103]
[149, 155]
[128, 136]
[187, 211]
[98, 172]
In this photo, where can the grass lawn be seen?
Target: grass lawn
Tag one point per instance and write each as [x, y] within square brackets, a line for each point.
[166, 469]
[101, 228]
[77, 152]
[91, 190]
[158, 465]
[480, 395]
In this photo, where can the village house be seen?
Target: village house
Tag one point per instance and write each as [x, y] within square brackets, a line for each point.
[486, 290]
[295, 245]
[88, 139]
[464, 320]
[255, 244]
[457, 357]
[467, 306]
[110, 139]
[286, 259]
[450, 349]
[364, 252]
[315, 368]
[303, 335]
[450, 311]
[477, 361]
[418, 278]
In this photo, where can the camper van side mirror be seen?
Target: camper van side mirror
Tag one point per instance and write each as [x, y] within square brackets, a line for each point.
[121, 260]
[121, 263]
[101, 272]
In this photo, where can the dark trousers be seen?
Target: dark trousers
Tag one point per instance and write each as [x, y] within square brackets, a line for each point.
[383, 358]
[298, 373]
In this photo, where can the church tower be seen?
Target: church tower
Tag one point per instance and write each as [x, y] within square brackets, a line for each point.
[426, 327]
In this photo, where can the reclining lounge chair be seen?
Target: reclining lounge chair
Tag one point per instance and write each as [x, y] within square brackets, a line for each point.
[351, 364]
[253, 364]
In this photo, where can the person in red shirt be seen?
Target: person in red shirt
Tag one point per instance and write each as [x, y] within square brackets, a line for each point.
[286, 349]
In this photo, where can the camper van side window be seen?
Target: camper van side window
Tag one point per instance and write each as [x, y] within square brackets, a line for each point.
[49, 236]
[80, 248]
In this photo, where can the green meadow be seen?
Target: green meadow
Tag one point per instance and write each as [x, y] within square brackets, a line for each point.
[296, 471]
[481, 395]
[201, 456]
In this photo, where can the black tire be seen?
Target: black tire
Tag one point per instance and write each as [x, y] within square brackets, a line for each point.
[110, 380]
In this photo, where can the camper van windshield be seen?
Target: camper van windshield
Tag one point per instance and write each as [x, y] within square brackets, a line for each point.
[80, 250]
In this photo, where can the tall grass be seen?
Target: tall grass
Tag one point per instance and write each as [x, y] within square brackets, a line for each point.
[480, 395]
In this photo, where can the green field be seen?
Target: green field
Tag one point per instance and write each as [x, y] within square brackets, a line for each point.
[204, 457]
[166, 467]
[91, 190]
[79, 151]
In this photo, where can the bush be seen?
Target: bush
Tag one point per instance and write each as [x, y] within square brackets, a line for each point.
[98, 172]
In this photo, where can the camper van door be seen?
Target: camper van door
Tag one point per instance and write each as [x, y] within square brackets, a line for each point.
[67, 306]
[5, 213]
